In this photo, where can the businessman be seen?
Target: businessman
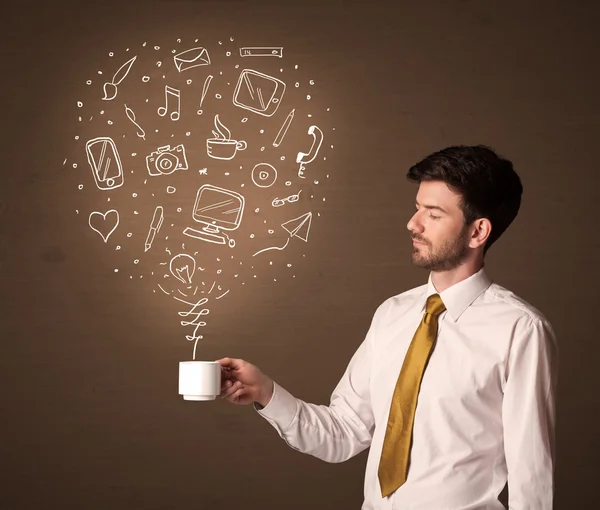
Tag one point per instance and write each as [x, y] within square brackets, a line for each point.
[453, 388]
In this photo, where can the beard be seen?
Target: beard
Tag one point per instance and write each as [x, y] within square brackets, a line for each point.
[443, 258]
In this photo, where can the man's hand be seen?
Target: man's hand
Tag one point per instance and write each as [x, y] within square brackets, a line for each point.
[243, 383]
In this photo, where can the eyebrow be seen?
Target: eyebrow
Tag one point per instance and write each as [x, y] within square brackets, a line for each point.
[436, 207]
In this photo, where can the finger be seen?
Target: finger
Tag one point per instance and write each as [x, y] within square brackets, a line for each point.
[238, 394]
[232, 389]
[226, 384]
[231, 363]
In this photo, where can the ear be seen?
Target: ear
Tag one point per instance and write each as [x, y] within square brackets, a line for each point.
[480, 231]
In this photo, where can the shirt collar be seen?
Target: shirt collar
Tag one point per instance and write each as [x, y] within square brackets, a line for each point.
[459, 296]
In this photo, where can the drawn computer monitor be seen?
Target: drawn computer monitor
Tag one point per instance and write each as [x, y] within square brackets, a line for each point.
[217, 209]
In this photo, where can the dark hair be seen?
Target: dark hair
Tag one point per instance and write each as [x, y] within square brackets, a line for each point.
[489, 186]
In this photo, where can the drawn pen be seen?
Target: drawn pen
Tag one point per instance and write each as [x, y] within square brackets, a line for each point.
[157, 221]
[284, 127]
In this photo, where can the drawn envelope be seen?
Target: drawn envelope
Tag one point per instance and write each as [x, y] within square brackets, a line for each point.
[191, 58]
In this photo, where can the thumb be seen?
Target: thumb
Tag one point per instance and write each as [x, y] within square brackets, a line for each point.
[231, 363]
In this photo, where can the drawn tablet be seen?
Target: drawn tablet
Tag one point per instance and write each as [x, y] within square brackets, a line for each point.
[258, 92]
[105, 162]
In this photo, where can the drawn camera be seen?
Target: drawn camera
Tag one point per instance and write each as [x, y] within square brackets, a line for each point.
[165, 160]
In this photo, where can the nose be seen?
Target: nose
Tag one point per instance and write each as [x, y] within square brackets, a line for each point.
[414, 225]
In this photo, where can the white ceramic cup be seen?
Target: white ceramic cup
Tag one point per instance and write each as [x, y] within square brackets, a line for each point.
[199, 380]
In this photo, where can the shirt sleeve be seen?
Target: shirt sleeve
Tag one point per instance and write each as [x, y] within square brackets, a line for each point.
[333, 433]
[528, 415]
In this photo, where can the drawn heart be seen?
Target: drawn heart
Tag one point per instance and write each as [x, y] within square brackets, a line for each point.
[104, 223]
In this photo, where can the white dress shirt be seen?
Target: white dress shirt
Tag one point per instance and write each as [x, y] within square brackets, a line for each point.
[485, 411]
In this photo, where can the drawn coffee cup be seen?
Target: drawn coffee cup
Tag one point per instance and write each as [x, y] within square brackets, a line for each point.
[224, 149]
[222, 146]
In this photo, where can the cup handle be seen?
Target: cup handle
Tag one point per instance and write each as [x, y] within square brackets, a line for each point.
[241, 145]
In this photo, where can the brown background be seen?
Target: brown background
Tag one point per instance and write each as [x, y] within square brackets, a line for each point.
[90, 412]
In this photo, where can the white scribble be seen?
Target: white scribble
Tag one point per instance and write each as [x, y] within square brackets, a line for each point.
[166, 160]
[104, 223]
[155, 224]
[222, 146]
[104, 160]
[278, 202]
[171, 94]
[261, 51]
[264, 175]
[304, 158]
[218, 209]
[131, 116]
[258, 92]
[193, 57]
[183, 267]
[110, 88]
[283, 129]
[204, 91]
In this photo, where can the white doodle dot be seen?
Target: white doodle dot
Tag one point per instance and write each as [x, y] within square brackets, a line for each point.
[237, 66]
[271, 231]
[281, 70]
[227, 173]
[144, 43]
[134, 154]
[157, 47]
[289, 265]
[312, 82]
[89, 82]
[221, 42]
[178, 40]
[159, 63]
[80, 186]
[146, 79]
[99, 72]
[111, 54]
[231, 39]
[245, 119]
[257, 209]
[196, 40]
[288, 183]
[136, 261]
[316, 182]
[80, 104]
[101, 112]
[262, 149]
[77, 137]
[129, 234]
[188, 134]
[116, 270]
[179, 209]
[189, 82]
[296, 66]
[134, 195]
[110, 122]
[200, 112]
[118, 247]
[79, 119]
[328, 110]
[309, 115]
[270, 262]
[332, 146]
[296, 84]
[173, 51]
[135, 212]
[171, 189]
[251, 236]
[74, 165]
[308, 97]
[218, 96]
[228, 53]
[219, 271]
[282, 158]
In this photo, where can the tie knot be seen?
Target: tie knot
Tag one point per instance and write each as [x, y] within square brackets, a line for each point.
[435, 305]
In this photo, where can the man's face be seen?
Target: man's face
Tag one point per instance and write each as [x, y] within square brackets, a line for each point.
[438, 230]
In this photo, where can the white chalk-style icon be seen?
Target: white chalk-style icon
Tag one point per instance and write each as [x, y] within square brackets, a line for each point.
[261, 51]
[278, 202]
[175, 94]
[131, 116]
[304, 158]
[204, 91]
[104, 223]
[283, 129]
[166, 160]
[155, 224]
[218, 210]
[222, 146]
[193, 57]
[104, 160]
[110, 88]
[298, 227]
[264, 175]
[183, 267]
[258, 92]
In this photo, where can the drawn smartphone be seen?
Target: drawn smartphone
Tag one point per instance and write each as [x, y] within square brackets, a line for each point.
[105, 162]
[258, 92]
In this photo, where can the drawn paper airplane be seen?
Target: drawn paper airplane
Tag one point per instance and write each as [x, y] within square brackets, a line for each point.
[299, 227]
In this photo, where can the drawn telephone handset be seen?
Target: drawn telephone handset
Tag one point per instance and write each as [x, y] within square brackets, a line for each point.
[304, 158]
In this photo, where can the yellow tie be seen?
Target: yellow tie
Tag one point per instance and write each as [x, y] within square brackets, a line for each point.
[393, 465]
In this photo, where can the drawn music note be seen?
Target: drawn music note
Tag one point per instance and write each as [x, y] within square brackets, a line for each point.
[162, 110]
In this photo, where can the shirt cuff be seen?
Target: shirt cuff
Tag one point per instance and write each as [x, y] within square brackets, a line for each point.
[281, 410]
